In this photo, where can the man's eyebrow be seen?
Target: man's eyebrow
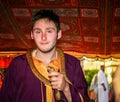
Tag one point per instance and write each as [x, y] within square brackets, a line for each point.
[51, 28]
[36, 29]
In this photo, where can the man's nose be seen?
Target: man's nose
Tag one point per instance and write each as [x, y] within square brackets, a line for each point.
[43, 36]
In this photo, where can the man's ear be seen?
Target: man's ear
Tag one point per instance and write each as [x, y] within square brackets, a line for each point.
[31, 35]
[59, 34]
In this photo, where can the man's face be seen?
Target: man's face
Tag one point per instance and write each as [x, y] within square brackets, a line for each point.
[102, 67]
[45, 35]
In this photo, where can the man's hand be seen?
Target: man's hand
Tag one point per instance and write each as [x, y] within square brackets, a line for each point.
[57, 80]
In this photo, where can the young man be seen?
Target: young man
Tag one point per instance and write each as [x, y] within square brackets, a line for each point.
[45, 74]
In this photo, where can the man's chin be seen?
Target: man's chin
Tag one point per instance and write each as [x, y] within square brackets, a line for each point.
[46, 50]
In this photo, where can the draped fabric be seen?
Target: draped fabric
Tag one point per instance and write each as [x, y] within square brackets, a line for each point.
[41, 67]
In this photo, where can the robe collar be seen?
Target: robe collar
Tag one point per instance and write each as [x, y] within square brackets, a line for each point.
[39, 75]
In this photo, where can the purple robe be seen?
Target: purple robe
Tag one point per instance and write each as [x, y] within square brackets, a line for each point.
[21, 85]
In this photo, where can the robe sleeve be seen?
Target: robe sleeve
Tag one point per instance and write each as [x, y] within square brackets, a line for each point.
[11, 80]
[7, 92]
[79, 86]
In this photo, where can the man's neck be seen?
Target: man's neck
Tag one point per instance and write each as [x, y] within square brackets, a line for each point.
[45, 57]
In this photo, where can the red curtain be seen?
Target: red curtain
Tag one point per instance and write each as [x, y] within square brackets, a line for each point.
[5, 61]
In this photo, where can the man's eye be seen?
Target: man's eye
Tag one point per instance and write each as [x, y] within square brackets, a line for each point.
[49, 31]
[37, 32]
